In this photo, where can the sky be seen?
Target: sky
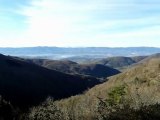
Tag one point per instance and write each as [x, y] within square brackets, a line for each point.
[80, 23]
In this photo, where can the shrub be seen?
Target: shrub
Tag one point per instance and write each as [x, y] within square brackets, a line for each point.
[116, 95]
[47, 111]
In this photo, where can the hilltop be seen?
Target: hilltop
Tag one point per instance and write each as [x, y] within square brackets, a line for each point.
[95, 70]
[120, 62]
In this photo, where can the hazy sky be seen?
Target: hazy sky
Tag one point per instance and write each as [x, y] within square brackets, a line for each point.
[73, 23]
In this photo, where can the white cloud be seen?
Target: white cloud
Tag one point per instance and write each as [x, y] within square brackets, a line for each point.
[88, 23]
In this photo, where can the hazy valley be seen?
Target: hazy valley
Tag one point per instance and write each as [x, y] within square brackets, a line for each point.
[79, 59]
[78, 54]
[36, 88]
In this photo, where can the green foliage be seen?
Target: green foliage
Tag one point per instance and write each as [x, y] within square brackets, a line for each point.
[114, 100]
[116, 95]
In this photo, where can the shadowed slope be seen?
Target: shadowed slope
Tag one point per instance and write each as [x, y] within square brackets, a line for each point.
[95, 70]
[25, 83]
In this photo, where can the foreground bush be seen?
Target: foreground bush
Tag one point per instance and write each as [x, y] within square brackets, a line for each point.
[50, 111]
[150, 112]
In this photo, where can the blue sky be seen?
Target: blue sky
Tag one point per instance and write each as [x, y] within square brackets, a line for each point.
[79, 23]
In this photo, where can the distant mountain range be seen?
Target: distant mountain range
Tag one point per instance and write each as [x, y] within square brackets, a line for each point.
[85, 52]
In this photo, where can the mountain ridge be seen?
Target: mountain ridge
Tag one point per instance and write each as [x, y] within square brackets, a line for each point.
[66, 66]
[23, 83]
[89, 52]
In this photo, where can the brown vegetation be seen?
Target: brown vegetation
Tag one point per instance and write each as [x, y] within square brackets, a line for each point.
[136, 90]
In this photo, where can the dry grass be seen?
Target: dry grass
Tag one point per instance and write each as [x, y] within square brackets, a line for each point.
[142, 85]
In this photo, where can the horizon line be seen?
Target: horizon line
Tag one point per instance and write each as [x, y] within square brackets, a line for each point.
[81, 47]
